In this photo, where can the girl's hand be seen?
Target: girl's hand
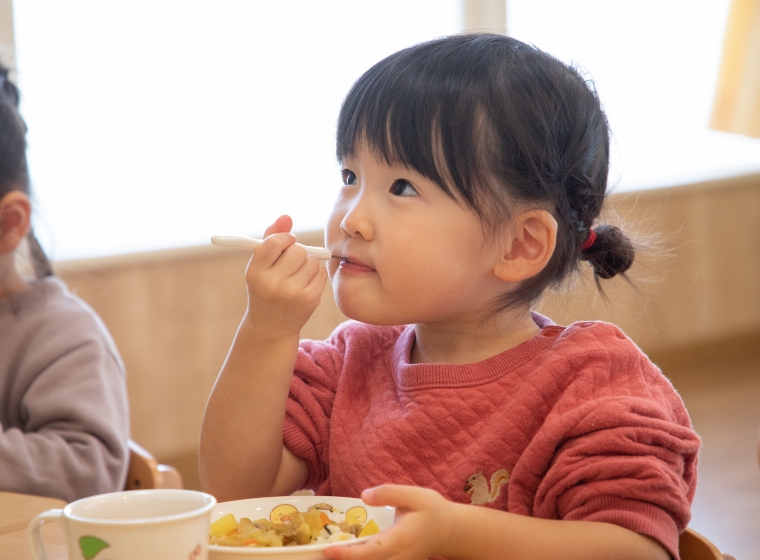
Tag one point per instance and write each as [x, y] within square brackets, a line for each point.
[425, 523]
[284, 283]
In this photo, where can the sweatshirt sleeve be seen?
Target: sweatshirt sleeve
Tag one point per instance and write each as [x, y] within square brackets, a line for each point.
[72, 441]
[306, 431]
[625, 451]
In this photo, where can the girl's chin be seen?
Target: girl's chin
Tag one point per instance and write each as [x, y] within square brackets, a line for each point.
[355, 312]
[380, 319]
[362, 312]
[361, 302]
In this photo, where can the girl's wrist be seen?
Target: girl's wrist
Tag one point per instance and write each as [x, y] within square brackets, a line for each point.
[457, 535]
[256, 330]
[470, 530]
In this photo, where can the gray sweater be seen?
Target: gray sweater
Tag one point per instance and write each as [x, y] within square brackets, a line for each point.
[64, 413]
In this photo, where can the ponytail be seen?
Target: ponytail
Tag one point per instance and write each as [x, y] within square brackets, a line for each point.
[610, 252]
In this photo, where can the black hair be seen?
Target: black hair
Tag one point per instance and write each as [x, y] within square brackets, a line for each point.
[494, 122]
[14, 171]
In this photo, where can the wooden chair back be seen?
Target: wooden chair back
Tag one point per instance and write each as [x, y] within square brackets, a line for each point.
[146, 473]
[693, 546]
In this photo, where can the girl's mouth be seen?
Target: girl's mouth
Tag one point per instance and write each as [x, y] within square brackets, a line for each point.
[348, 265]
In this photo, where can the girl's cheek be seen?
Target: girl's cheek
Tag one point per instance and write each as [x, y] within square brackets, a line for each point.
[332, 268]
[332, 233]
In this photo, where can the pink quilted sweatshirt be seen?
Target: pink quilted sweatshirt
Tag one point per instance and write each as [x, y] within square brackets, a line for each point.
[575, 423]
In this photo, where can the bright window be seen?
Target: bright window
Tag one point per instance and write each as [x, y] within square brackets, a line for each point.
[158, 123]
[655, 63]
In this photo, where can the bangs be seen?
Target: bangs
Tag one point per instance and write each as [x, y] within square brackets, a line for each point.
[411, 109]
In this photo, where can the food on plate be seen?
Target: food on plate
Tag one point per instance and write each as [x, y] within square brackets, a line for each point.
[287, 526]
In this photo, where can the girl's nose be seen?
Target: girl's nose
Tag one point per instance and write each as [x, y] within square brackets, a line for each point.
[357, 221]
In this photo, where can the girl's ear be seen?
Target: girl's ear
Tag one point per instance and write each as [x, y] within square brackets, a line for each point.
[15, 216]
[531, 245]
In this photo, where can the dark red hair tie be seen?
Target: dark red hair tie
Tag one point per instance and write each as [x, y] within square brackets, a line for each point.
[586, 245]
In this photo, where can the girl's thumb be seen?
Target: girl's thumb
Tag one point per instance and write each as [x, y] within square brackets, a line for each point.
[283, 224]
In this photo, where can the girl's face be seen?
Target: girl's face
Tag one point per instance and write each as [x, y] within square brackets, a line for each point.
[413, 255]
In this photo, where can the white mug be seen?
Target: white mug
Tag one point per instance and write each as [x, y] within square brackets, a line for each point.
[144, 524]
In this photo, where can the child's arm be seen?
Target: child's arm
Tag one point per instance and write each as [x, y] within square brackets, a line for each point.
[241, 451]
[72, 440]
[428, 525]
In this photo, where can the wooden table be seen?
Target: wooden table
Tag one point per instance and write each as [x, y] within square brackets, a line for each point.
[16, 511]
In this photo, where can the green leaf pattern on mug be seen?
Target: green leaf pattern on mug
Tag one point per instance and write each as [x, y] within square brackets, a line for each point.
[91, 546]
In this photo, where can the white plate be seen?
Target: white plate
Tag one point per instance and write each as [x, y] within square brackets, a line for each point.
[262, 508]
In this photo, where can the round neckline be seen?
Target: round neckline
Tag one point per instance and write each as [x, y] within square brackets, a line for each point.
[411, 376]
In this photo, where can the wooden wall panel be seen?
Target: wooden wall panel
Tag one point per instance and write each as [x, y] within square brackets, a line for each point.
[701, 284]
[174, 313]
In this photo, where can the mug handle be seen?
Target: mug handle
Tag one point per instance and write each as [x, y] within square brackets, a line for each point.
[33, 532]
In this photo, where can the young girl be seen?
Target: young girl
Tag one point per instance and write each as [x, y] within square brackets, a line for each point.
[474, 170]
[64, 417]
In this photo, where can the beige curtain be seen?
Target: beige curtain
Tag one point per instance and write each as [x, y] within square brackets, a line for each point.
[737, 100]
[485, 16]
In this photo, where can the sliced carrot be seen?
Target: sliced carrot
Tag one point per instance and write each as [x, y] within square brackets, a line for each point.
[324, 518]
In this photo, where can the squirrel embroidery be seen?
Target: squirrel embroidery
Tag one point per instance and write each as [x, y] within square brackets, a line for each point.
[477, 487]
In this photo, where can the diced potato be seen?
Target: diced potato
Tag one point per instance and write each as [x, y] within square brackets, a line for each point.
[295, 519]
[351, 520]
[298, 528]
[270, 538]
[224, 526]
[314, 520]
[370, 528]
[246, 526]
[303, 534]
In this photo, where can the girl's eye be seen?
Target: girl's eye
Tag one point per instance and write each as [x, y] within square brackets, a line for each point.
[349, 177]
[402, 187]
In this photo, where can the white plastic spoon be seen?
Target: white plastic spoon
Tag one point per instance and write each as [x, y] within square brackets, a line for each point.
[249, 243]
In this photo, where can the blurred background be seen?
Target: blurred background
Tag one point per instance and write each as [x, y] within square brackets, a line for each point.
[190, 119]
[154, 124]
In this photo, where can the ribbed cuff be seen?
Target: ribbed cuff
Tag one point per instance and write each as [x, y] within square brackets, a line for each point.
[300, 446]
[640, 517]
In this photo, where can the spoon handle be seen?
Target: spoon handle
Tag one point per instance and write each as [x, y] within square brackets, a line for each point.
[249, 243]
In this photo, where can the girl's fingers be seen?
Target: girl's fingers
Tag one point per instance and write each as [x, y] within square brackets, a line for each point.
[373, 549]
[316, 276]
[272, 249]
[283, 224]
[395, 495]
[308, 280]
[291, 274]
[402, 541]
[296, 267]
